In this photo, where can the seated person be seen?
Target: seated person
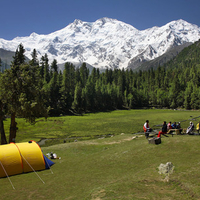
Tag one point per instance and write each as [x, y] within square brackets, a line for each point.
[146, 127]
[190, 128]
[164, 129]
[174, 125]
[178, 126]
[169, 126]
[198, 127]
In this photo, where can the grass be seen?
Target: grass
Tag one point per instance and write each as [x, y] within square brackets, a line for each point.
[98, 124]
[114, 168]
[118, 167]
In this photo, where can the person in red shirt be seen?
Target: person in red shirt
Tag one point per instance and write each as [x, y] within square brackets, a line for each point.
[169, 126]
[164, 129]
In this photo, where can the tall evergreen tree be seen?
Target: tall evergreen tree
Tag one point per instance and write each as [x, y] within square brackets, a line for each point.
[67, 87]
[46, 69]
[77, 103]
[19, 57]
[34, 61]
[54, 94]
[54, 66]
[42, 63]
[174, 91]
[188, 92]
[84, 73]
[21, 92]
[98, 96]
[90, 94]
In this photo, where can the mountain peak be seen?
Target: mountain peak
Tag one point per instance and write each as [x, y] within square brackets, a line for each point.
[180, 24]
[106, 20]
[77, 21]
[106, 43]
[33, 35]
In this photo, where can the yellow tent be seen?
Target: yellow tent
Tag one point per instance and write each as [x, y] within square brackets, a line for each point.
[16, 158]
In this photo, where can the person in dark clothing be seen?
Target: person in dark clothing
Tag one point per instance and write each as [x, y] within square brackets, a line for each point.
[179, 127]
[164, 129]
[174, 126]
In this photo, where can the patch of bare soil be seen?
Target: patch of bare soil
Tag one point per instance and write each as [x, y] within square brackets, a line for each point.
[128, 138]
[98, 195]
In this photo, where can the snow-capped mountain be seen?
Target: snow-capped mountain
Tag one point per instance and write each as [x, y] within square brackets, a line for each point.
[106, 42]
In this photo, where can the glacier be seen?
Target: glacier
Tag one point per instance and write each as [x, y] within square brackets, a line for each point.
[106, 43]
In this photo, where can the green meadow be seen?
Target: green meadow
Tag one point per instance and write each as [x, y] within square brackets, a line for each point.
[106, 156]
[91, 126]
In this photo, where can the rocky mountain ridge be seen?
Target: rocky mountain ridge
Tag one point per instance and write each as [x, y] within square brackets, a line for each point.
[106, 43]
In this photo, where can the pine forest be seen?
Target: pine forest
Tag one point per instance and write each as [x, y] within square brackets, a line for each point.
[29, 87]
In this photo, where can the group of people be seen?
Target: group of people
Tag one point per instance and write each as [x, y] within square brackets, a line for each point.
[167, 128]
[173, 126]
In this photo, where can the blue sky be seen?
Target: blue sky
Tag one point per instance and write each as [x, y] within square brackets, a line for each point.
[23, 17]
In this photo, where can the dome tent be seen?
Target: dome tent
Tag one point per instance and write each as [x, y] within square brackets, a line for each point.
[16, 158]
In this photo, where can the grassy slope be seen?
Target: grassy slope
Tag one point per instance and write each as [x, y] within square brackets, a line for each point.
[115, 122]
[115, 168]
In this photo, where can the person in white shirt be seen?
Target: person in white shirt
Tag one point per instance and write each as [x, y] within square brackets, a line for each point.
[146, 126]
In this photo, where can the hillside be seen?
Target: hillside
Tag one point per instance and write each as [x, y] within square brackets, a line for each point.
[116, 168]
[188, 57]
[184, 55]
[6, 58]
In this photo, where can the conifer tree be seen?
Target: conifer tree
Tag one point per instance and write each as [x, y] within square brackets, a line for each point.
[77, 103]
[21, 92]
[54, 94]
[84, 73]
[34, 60]
[67, 87]
[14, 75]
[54, 66]
[98, 96]
[46, 68]
[42, 61]
[188, 92]
[19, 57]
[90, 94]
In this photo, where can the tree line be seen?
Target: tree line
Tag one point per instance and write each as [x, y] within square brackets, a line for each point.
[36, 88]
